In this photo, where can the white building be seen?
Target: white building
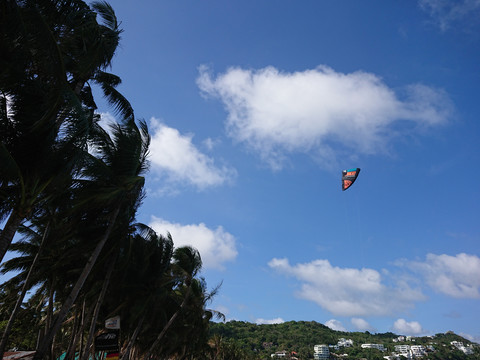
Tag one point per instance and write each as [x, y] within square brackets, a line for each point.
[418, 350]
[374, 346]
[459, 345]
[321, 352]
[345, 342]
[402, 349]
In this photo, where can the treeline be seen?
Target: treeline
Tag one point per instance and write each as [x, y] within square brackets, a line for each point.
[299, 337]
[70, 189]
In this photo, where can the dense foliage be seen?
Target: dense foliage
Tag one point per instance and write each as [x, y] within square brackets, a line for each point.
[70, 189]
[299, 338]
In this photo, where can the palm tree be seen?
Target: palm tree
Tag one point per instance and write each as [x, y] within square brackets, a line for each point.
[50, 50]
[112, 183]
[140, 285]
[6, 332]
[186, 266]
[48, 250]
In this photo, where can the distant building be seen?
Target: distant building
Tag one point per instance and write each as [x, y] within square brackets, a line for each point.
[402, 349]
[418, 350]
[321, 352]
[345, 342]
[374, 346]
[279, 354]
[467, 350]
[399, 339]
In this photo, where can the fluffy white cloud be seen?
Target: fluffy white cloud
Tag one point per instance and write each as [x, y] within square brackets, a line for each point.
[271, 321]
[275, 113]
[457, 276]
[401, 326]
[445, 13]
[216, 246]
[348, 291]
[335, 325]
[174, 156]
[361, 324]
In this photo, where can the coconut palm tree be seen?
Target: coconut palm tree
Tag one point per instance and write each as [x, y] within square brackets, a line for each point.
[112, 183]
[50, 50]
[187, 264]
[140, 284]
[48, 251]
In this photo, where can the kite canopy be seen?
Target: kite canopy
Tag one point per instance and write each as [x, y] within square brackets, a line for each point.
[348, 177]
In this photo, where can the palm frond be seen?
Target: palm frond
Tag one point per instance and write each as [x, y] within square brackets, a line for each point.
[107, 14]
[120, 104]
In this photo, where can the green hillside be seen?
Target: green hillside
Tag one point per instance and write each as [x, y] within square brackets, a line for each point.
[251, 341]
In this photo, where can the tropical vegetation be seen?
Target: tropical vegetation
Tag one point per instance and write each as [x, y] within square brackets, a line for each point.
[70, 189]
[298, 338]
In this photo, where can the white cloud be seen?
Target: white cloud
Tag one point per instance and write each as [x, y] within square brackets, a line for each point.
[361, 324]
[209, 143]
[457, 276]
[216, 246]
[348, 291]
[271, 321]
[335, 325]
[447, 12]
[314, 111]
[401, 326]
[174, 156]
[472, 338]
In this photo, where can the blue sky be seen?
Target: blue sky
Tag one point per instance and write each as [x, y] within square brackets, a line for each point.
[255, 108]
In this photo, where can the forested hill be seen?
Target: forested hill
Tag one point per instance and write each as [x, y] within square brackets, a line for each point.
[252, 341]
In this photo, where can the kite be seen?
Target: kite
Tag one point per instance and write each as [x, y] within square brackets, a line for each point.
[348, 177]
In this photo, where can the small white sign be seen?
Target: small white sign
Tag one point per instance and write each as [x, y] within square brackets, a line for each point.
[113, 323]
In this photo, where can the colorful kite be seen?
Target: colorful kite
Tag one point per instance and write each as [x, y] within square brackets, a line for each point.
[348, 177]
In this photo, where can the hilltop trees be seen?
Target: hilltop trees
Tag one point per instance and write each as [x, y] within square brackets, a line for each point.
[71, 188]
[260, 341]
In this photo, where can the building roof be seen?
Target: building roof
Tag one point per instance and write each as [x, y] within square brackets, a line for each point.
[18, 355]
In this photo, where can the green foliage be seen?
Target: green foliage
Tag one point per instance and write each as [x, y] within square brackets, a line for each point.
[25, 329]
[261, 341]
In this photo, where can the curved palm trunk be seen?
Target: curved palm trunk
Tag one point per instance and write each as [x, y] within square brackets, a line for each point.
[167, 326]
[42, 349]
[8, 232]
[81, 329]
[48, 320]
[70, 353]
[18, 304]
[91, 331]
[126, 354]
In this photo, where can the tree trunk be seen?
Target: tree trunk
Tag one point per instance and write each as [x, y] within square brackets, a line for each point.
[169, 323]
[70, 353]
[40, 353]
[48, 319]
[8, 232]
[126, 354]
[18, 304]
[91, 331]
